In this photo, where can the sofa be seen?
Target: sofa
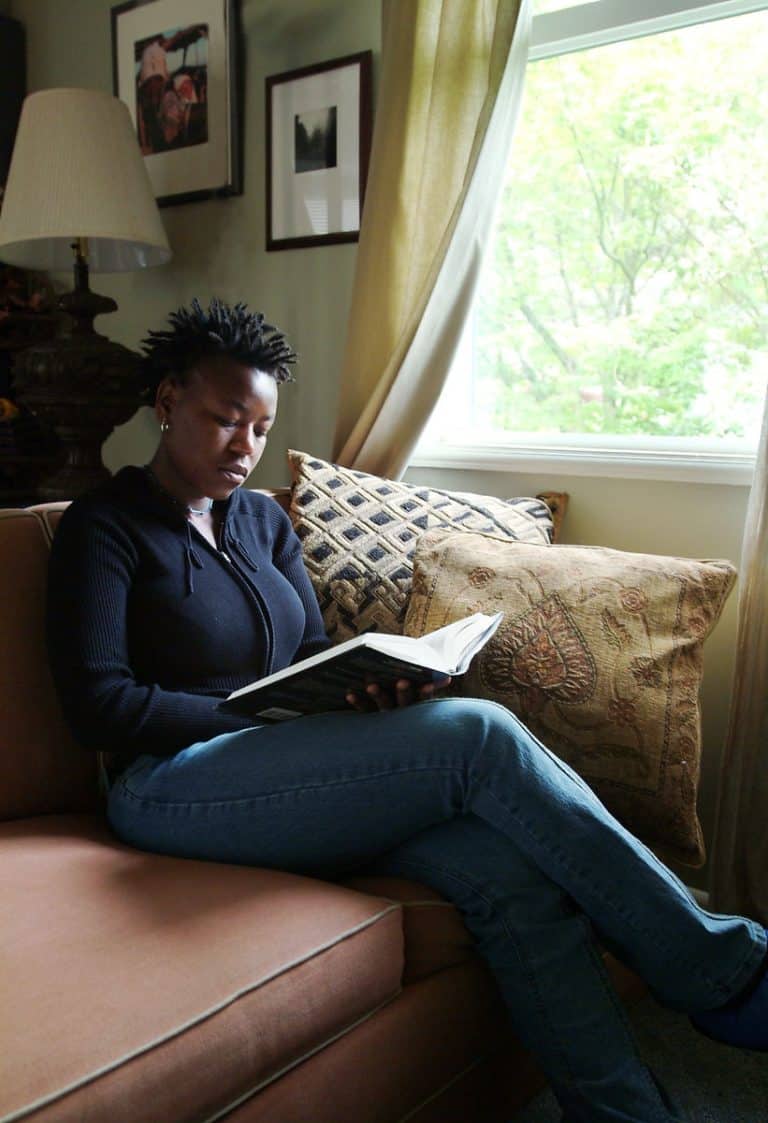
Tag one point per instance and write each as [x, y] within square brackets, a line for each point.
[137, 987]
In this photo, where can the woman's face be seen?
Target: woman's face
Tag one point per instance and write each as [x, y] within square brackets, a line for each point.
[218, 420]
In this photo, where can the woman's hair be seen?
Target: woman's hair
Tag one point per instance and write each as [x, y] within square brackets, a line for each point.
[222, 330]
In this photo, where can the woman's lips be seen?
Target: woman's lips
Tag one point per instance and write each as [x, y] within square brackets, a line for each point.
[234, 475]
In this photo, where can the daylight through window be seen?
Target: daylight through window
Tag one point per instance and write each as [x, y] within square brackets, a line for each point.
[625, 295]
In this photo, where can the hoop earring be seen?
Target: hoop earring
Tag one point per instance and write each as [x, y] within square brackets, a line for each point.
[165, 425]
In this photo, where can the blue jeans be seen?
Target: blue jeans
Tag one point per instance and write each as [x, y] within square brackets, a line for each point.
[458, 795]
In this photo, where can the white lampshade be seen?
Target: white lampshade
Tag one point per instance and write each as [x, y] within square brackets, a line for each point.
[77, 172]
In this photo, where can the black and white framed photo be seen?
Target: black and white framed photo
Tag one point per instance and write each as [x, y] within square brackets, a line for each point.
[318, 144]
[175, 65]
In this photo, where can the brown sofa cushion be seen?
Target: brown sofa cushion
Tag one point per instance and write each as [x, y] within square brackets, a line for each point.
[436, 937]
[406, 1063]
[176, 983]
[600, 654]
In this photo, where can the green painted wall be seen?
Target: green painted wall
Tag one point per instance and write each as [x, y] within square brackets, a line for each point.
[219, 250]
[218, 246]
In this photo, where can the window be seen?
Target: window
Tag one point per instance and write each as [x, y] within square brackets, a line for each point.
[622, 314]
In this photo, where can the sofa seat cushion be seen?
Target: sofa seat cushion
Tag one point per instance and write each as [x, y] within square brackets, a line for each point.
[436, 937]
[133, 979]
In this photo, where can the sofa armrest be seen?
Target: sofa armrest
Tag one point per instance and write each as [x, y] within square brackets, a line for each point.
[557, 501]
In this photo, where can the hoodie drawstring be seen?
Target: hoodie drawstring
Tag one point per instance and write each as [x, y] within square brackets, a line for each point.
[192, 558]
[245, 556]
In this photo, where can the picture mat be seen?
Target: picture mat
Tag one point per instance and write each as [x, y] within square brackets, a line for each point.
[327, 201]
[200, 167]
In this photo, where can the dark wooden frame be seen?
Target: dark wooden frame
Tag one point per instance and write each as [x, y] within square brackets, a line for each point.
[364, 61]
[233, 181]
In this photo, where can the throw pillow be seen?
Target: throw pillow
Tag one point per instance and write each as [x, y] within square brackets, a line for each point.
[599, 653]
[358, 532]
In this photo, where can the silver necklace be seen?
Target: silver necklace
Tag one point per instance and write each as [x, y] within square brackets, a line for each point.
[196, 511]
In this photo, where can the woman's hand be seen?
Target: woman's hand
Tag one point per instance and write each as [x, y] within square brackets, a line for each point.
[402, 693]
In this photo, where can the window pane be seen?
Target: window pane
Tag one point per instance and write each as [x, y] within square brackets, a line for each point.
[627, 288]
[542, 6]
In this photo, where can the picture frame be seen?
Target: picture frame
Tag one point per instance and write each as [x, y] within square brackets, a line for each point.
[318, 143]
[175, 64]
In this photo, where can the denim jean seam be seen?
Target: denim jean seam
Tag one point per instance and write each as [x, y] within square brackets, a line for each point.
[627, 916]
[419, 864]
[255, 799]
[726, 989]
[746, 967]
[621, 1011]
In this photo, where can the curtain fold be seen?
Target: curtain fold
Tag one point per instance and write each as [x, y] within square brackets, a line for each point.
[450, 90]
[739, 882]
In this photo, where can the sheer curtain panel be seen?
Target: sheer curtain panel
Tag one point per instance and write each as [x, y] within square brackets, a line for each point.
[740, 851]
[450, 90]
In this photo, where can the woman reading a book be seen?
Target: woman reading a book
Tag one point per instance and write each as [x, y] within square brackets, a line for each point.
[171, 586]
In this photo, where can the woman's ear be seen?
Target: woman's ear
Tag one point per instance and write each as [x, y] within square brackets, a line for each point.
[165, 400]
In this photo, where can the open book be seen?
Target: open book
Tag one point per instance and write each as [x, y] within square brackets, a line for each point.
[320, 683]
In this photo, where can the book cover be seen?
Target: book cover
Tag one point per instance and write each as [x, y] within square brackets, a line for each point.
[320, 683]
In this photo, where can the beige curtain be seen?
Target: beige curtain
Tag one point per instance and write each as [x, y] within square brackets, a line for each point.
[740, 851]
[451, 83]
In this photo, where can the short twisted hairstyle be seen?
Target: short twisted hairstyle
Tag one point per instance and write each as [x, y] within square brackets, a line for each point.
[222, 330]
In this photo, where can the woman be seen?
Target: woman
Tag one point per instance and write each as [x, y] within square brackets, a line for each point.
[170, 587]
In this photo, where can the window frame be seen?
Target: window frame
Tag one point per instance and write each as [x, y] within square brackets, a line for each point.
[568, 30]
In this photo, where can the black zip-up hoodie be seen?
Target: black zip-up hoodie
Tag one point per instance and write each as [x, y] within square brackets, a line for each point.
[148, 626]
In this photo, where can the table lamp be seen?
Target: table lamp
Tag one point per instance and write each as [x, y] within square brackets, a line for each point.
[78, 194]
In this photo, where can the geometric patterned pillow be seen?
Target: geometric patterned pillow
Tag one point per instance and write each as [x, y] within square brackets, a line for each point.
[358, 533]
[599, 653]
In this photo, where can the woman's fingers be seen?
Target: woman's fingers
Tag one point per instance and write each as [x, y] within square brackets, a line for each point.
[402, 693]
[373, 698]
[432, 689]
[383, 699]
[358, 702]
[376, 697]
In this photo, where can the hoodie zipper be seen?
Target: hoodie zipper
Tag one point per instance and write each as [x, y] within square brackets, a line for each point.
[244, 580]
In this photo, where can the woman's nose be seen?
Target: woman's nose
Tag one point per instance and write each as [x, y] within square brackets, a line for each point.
[244, 441]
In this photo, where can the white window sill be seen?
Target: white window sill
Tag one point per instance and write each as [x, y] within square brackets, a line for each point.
[686, 465]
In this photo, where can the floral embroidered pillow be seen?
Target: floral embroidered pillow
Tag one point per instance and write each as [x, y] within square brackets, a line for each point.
[599, 653]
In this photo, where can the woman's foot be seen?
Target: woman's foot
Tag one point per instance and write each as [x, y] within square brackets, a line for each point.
[743, 1021]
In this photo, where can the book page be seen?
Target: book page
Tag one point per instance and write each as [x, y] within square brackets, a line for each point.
[448, 649]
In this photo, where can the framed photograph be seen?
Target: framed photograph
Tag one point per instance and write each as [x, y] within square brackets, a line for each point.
[318, 144]
[175, 65]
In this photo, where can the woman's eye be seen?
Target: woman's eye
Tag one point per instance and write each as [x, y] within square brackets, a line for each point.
[225, 423]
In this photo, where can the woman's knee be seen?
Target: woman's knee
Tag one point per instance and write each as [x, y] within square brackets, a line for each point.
[490, 715]
[481, 723]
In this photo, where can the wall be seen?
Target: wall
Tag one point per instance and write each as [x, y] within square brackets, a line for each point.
[218, 245]
[219, 250]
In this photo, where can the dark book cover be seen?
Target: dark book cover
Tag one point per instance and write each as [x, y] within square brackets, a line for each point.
[324, 686]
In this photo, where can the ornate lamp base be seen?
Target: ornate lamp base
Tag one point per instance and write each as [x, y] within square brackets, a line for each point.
[81, 385]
